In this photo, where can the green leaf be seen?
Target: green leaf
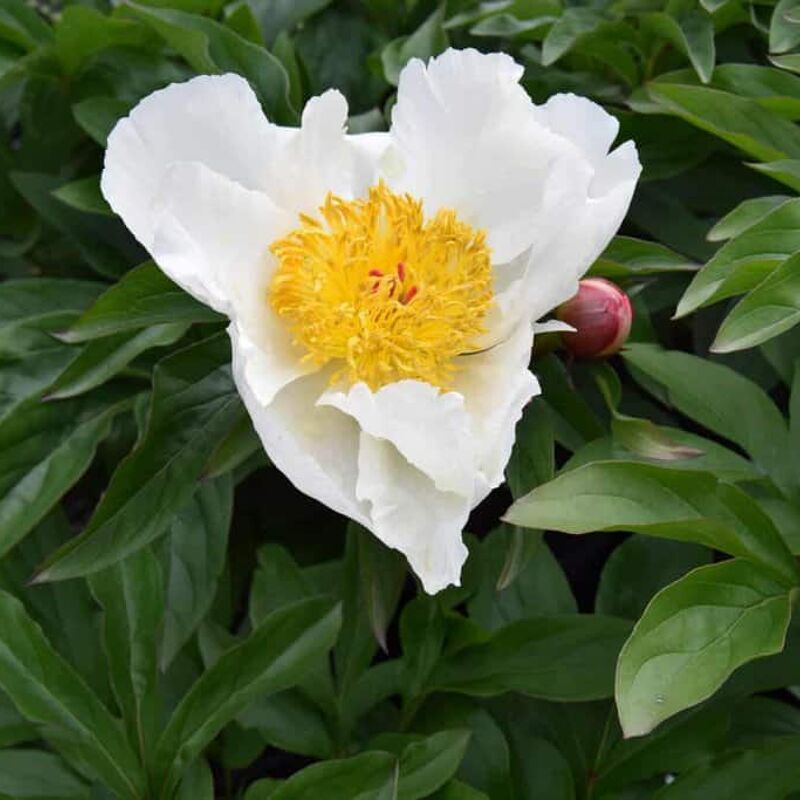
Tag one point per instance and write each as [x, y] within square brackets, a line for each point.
[21, 25]
[693, 635]
[13, 727]
[103, 242]
[787, 172]
[742, 122]
[692, 34]
[98, 115]
[238, 449]
[767, 311]
[143, 297]
[657, 501]
[539, 587]
[193, 556]
[567, 658]
[748, 417]
[194, 405]
[744, 216]
[209, 47]
[101, 360]
[47, 447]
[373, 578]
[455, 790]
[132, 597]
[784, 27]
[427, 765]
[276, 16]
[35, 774]
[571, 26]
[84, 195]
[47, 691]
[277, 582]
[428, 40]
[274, 657]
[368, 776]
[628, 258]
[639, 568]
[197, 784]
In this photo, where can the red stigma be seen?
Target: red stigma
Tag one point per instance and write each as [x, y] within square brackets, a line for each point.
[375, 273]
[409, 295]
[401, 270]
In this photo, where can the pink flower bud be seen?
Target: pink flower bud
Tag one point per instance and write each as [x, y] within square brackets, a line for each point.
[601, 314]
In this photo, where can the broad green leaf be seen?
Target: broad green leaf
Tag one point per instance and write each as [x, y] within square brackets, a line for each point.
[209, 47]
[38, 775]
[784, 27]
[692, 34]
[456, 790]
[786, 172]
[143, 297]
[744, 216]
[573, 24]
[103, 242]
[131, 595]
[193, 407]
[84, 195]
[740, 121]
[277, 582]
[373, 579]
[197, 783]
[567, 658]
[422, 635]
[428, 40]
[101, 360]
[539, 587]
[724, 463]
[657, 501]
[46, 448]
[681, 743]
[509, 26]
[274, 657]
[769, 773]
[765, 312]
[276, 16]
[639, 568]
[98, 115]
[46, 690]
[532, 460]
[427, 765]
[627, 258]
[747, 417]
[368, 776]
[193, 556]
[21, 25]
[14, 729]
[238, 449]
[693, 635]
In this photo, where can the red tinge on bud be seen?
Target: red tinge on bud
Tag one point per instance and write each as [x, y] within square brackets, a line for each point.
[601, 314]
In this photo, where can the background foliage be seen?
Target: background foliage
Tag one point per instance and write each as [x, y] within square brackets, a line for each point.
[177, 622]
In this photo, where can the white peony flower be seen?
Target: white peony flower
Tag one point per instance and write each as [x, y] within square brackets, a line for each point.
[382, 287]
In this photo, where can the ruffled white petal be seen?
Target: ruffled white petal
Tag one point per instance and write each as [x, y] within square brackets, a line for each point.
[408, 513]
[212, 237]
[496, 385]
[469, 140]
[316, 447]
[213, 120]
[430, 429]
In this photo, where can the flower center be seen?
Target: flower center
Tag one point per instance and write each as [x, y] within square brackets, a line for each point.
[379, 290]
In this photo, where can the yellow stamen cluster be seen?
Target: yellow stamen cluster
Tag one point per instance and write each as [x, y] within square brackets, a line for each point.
[379, 290]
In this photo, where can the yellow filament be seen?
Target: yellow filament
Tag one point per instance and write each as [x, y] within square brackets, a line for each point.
[375, 288]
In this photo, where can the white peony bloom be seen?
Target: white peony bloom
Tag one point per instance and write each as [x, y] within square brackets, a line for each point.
[382, 288]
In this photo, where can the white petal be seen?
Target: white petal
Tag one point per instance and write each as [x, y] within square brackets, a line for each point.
[409, 514]
[316, 447]
[214, 120]
[212, 237]
[429, 428]
[470, 140]
[496, 385]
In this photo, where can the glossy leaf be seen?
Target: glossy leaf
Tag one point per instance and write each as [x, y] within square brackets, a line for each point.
[658, 501]
[693, 635]
[46, 690]
[194, 405]
[36, 774]
[145, 296]
[744, 216]
[274, 657]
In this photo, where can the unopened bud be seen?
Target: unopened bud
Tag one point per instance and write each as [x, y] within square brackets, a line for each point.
[601, 314]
